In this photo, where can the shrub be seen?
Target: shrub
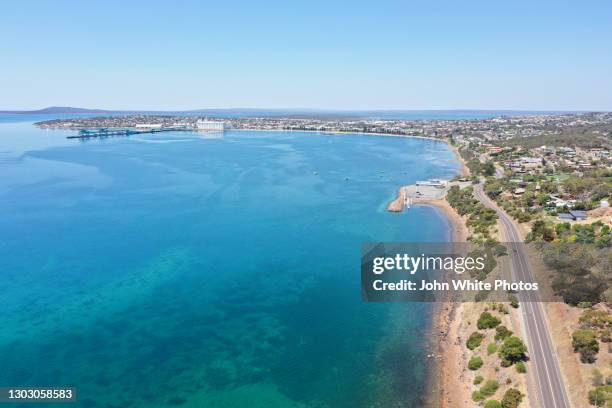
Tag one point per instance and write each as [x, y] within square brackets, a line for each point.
[512, 398]
[489, 388]
[487, 321]
[491, 348]
[585, 342]
[501, 332]
[478, 379]
[595, 319]
[477, 396]
[474, 340]
[512, 351]
[600, 395]
[492, 404]
[513, 301]
[475, 363]
[521, 368]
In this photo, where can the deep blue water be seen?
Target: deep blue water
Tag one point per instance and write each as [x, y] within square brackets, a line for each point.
[181, 270]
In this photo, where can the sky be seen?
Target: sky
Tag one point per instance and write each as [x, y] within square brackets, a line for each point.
[174, 55]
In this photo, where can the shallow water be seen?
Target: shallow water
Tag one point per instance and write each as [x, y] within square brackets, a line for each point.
[184, 270]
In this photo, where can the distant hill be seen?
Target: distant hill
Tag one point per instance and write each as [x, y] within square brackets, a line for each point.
[54, 110]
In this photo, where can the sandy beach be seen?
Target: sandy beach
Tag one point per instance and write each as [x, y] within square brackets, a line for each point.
[449, 385]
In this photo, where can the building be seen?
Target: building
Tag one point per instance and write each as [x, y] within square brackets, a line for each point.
[210, 125]
[573, 216]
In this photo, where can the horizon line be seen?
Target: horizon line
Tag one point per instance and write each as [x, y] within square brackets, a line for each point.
[302, 109]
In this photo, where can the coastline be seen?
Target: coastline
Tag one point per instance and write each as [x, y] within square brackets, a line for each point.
[447, 385]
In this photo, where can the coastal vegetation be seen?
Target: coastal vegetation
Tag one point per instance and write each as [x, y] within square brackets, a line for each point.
[512, 351]
[487, 321]
[501, 332]
[512, 398]
[601, 396]
[475, 363]
[479, 218]
[474, 340]
[584, 341]
[491, 348]
[492, 404]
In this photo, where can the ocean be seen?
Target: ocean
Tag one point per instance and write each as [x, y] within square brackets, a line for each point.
[190, 270]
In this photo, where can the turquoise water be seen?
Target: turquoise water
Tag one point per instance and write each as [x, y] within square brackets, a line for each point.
[181, 270]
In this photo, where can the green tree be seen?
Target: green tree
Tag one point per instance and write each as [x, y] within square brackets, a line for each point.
[585, 342]
[600, 396]
[512, 350]
[501, 332]
[492, 404]
[491, 348]
[489, 388]
[512, 398]
[474, 340]
[475, 363]
[487, 321]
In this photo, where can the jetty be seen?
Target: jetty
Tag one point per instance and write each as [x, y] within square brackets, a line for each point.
[409, 195]
[109, 132]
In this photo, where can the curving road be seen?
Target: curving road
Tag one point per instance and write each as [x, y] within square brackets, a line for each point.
[546, 387]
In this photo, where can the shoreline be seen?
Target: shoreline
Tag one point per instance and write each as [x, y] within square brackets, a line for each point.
[447, 387]
[446, 384]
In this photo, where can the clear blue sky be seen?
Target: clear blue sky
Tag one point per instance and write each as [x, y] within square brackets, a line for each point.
[536, 55]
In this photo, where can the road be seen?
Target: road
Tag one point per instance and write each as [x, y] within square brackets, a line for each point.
[546, 388]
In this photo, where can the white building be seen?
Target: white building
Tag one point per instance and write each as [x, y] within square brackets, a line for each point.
[210, 125]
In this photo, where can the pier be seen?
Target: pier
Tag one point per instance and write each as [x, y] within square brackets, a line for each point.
[108, 132]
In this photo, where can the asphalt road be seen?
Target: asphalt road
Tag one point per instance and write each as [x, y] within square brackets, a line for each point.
[546, 388]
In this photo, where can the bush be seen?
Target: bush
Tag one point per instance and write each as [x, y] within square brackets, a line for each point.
[477, 397]
[585, 342]
[600, 395]
[521, 368]
[512, 351]
[475, 363]
[492, 404]
[501, 332]
[512, 398]
[474, 340]
[513, 301]
[489, 388]
[487, 321]
[491, 348]
[478, 379]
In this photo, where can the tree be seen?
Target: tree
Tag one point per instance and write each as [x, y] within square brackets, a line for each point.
[513, 301]
[512, 398]
[488, 168]
[475, 363]
[492, 404]
[600, 395]
[489, 388]
[512, 351]
[474, 340]
[585, 342]
[501, 332]
[491, 348]
[487, 321]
